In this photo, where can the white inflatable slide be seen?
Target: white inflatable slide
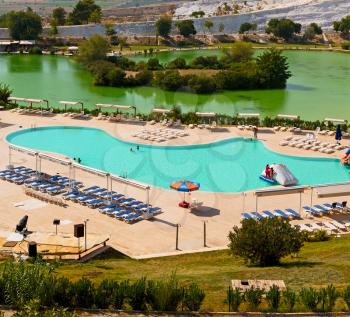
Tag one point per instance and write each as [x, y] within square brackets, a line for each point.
[283, 175]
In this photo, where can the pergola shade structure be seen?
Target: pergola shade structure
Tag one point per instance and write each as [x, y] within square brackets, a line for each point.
[288, 116]
[249, 115]
[116, 107]
[336, 121]
[209, 115]
[161, 111]
[72, 104]
[30, 101]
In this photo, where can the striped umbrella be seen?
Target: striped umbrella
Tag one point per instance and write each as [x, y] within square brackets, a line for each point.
[185, 186]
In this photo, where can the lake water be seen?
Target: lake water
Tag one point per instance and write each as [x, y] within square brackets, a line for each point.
[319, 88]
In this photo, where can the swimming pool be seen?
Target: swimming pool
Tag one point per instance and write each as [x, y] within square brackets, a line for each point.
[231, 165]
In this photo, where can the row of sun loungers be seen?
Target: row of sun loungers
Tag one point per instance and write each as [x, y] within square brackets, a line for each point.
[287, 213]
[45, 197]
[311, 144]
[17, 175]
[77, 115]
[322, 209]
[329, 226]
[287, 129]
[159, 135]
[32, 111]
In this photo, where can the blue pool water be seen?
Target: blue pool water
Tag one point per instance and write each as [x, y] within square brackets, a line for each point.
[227, 166]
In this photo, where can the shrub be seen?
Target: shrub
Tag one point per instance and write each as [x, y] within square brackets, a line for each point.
[318, 236]
[310, 298]
[105, 294]
[62, 294]
[273, 297]
[193, 297]
[5, 93]
[328, 297]
[266, 241]
[177, 63]
[2, 291]
[202, 84]
[153, 64]
[233, 299]
[345, 45]
[83, 293]
[346, 297]
[253, 296]
[32, 309]
[35, 51]
[137, 294]
[121, 292]
[290, 299]
[169, 80]
[164, 295]
[209, 62]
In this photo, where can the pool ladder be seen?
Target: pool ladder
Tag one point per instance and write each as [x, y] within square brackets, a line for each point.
[33, 126]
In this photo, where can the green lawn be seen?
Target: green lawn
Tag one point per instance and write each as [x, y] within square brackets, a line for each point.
[318, 264]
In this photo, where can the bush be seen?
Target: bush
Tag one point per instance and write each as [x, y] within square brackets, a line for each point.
[266, 241]
[105, 294]
[164, 295]
[310, 298]
[318, 236]
[32, 309]
[253, 296]
[177, 63]
[208, 62]
[169, 80]
[273, 297]
[153, 64]
[137, 294]
[233, 299]
[328, 297]
[121, 292]
[290, 299]
[5, 93]
[83, 293]
[193, 297]
[202, 84]
[346, 297]
[35, 51]
[345, 45]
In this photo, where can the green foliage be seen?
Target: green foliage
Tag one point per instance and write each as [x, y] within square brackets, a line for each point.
[153, 64]
[317, 236]
[289, 299]
[206, 62]
[137, 294]
[343, 25]
[105, 294]
[164, 295]
[35, 51]
[92, 50]
[221, 27]
[266, 241]
[186, 28]
[177, 63]
[198, 14]
[253, 296]
[346, 296]
[245, 27]
[32, 309]
[109, 29]
[83, 292]
[59, 16]
[163, 26]
[317, 29]
[5, 93]
[284, 28]
[328, 297]
[273, 297]
[272, 69]
[23, 25]
[120, 294]
[209, 24]
[239, 52]
[345, 45]
[169, 80]
[202, 84]
[193, 297]
[233, 299]
[310, 298]
[85, 11]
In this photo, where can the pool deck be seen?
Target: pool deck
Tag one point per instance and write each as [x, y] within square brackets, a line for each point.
[147, 238]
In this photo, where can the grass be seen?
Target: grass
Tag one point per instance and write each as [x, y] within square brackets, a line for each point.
[317, 265]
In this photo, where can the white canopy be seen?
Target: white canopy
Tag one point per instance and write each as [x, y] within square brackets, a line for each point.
[205, 114]
[73, 48]
[288, 116]
[249, 115]
[337, 121]
[120, 107]
[29, 100]
[72, 103]
[333, 191]
[158, 110]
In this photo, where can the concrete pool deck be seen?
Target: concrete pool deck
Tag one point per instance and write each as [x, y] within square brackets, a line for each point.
[147, 238]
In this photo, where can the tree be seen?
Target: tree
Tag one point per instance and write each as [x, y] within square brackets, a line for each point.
[239, 52]
[186, 28]
[198, 14]
[265, 242]
[284, 28]
[273, 69]
[59, 16]
[5, 93]
[245, 27]
[221, 27]
[208, 24]
[309, 33]
[163, 26]
[94, 49]
[109, 30]
[24, 25]
[153, 64]
[343, 25]
[85, 11]
[317, 29]
[95, 16]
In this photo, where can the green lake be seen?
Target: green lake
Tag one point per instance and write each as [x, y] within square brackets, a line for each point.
[319, 88]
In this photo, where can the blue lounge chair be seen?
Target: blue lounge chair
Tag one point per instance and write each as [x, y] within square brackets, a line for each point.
[293, 213]
[257, 215]
[133, 204]
[117, 197]
[323, 209]
[106, 208]
[155, 210]
[132, 218]
[122, 213]
[142, 207]
[311, 211]
[269, 214]
[280, 213]
[114, 211]
[125, 201]
[90, 189]
[95, 203]
[245, 215]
